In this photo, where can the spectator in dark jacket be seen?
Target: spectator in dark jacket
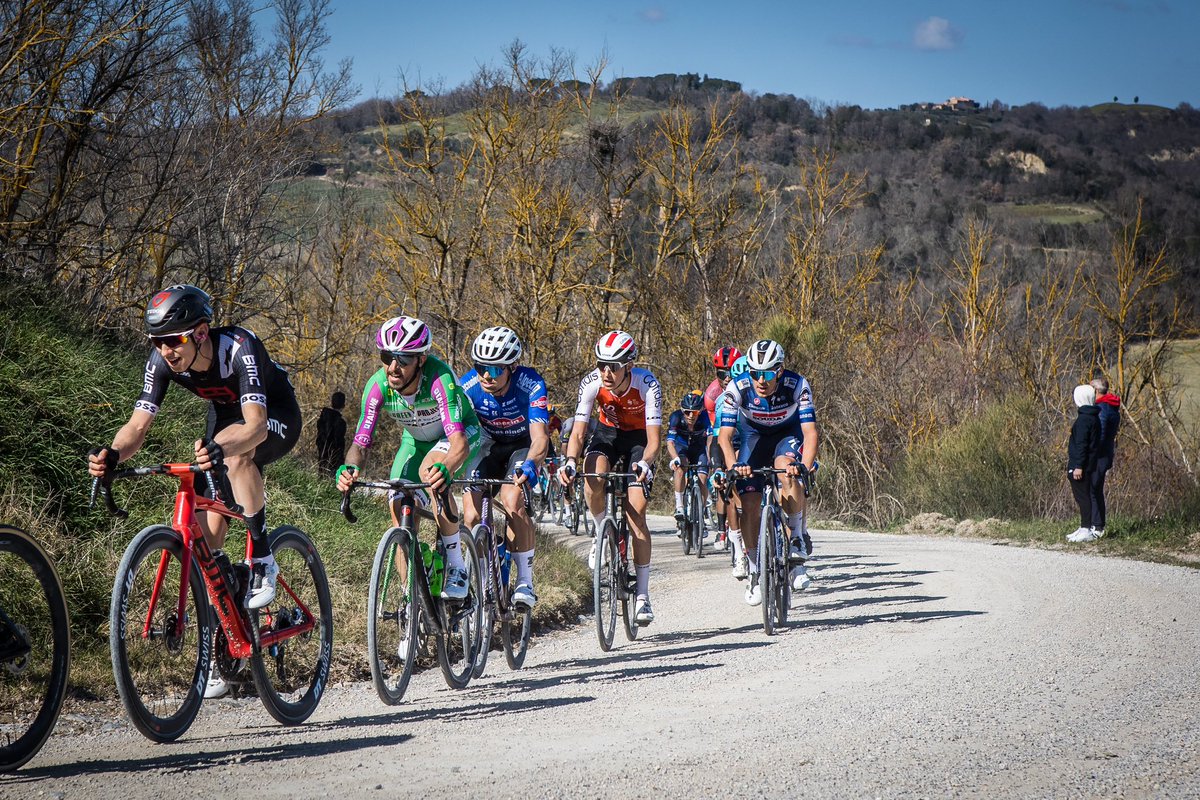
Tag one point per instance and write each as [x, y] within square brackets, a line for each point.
[331, 435]
[1110, 422]
[1082, 451]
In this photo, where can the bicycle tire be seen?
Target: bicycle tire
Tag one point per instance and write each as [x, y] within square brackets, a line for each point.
[628, 592]
[696, 509]
[136, 659]
[459, 640]
[292, 674]
[604, 586]
[38, 678]
[783, 584]
[766, 568]
[393, 616]
[491, 597]
[515, 627]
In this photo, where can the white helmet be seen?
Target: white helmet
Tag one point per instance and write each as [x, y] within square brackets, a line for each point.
[617, 346]
[764, 354]
[404, 335]
[498, 345]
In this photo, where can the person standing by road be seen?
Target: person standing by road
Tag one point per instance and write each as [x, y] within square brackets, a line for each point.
[331, 435]
[1082, 452]
[1110, 422]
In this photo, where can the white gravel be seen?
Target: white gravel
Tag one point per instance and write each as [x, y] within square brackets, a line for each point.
[913, 667]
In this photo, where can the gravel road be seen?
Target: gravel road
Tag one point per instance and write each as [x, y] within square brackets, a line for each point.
[913, 667]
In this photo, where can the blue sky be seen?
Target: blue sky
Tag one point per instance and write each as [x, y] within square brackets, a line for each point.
[872, 53]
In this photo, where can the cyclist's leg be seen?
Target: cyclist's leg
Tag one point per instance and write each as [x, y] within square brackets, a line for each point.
[473, 497]
[520, 527]
[404, 467]
[757, 451]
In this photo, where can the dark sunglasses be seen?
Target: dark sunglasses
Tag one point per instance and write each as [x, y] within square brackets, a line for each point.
[764, 374]
[403, 359]
[172, 339]
[493, 371]
[722, 374]
[611, 366]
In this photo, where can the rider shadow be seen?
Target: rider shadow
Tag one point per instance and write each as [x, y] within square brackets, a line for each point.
[163, 760]
[853, 602]
[899, 616]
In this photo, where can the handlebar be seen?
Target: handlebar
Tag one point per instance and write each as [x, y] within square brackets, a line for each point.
[398, 485]
[103, 486]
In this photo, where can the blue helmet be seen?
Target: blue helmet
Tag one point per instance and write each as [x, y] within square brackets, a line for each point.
[740, 367]
[692, 401]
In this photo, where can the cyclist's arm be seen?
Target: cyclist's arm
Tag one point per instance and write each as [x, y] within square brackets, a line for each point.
[672, 450]
[132, 435]
[653, 443]
[725, 440]
[460, 450]
[810, 444]
[238, 439]
[588, 389]
[539, 442]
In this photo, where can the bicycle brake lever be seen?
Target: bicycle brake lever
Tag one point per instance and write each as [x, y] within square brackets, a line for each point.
[105, 490]
[346, 512]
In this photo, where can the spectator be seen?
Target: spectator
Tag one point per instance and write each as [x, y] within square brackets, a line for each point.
[1082, 451]
[1110, 422]
[331, 435]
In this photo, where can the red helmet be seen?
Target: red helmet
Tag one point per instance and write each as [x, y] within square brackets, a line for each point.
[724, 358]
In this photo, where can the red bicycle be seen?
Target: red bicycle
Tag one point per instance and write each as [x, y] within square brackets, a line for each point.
[162, 635]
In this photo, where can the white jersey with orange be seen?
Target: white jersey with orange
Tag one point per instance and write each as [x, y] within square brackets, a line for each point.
[637, 408]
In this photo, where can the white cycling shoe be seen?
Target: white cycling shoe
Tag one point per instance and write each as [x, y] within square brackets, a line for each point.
[643, 614]
[264, 575]
[524, 596]
[742, 568]
[754, 592]
[800, 578]
[454, 586]
[216, 686]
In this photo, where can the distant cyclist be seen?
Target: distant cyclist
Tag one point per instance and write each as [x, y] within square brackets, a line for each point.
[687, 443]
[441, 432]
[723, 361]
[510, 401]
[773, 410]
[629, 403]
[253, 420]
[741, 569]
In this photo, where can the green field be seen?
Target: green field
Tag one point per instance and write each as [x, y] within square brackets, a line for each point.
[1183, 374]
[1048, 213]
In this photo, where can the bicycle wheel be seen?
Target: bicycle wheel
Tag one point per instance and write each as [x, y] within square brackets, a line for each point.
[393, 618]
[767, 577]
[515, 627]
[696, 515]
[35, 647]
[604, 584]
[627, 576]
[574, 510]
[491, 595]
[783, 581]
[160, 674]
[291, 674]
[459, 640]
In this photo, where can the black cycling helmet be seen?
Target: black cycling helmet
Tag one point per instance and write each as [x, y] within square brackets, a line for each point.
[177, 309]
[692, 401]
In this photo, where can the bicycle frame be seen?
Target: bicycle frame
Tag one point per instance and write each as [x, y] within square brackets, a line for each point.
[239, 633]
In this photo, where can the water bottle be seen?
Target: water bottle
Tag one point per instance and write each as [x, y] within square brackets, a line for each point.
[433, 568]
[505, 562]
[227, 573]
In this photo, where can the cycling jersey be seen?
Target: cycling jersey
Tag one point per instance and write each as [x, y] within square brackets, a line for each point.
[711, 395]
[507, 418]
[790, 405]
[639, 407]
[686, 438]
[436, 409]
[241, 372]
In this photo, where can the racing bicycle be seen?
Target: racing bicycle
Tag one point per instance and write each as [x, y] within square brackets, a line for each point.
[614, 582]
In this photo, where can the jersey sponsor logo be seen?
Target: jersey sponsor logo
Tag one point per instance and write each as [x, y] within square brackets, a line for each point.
[278, 428]
[256, 399]
[149, 408]
[251, 370]
[148, 379]
[505, 422]
[805, 396]
[217, 394]
[540, 402]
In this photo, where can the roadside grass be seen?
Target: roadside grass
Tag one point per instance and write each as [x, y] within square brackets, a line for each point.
[65, 392]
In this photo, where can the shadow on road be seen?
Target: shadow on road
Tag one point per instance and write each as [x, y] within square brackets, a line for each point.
[853, 602]
[164, 760]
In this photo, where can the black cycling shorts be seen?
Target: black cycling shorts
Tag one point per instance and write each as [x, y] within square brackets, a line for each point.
[622, 448]
[283, 430]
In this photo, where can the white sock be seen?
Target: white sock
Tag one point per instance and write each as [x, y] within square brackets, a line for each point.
[796, 523]
[643, 579]
[599, 520]
[453, 549]
[524, 562]
[739, 546]
[679, 500]
[752, 554]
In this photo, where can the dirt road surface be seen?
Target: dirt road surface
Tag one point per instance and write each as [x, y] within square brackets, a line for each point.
[913, 667]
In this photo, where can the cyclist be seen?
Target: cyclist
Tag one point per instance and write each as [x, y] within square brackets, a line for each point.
[629, 431]
[687, 440]
[718, 477]
[511, 404]
[773, 409]
[441, 432]
[723, 361]
[253, 420]
[253, 416]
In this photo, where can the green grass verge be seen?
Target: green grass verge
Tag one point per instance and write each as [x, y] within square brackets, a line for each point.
[1048, 213]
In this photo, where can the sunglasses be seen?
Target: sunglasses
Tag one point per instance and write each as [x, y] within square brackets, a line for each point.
[403, 359]
[493, 371]
[611, 366]
[171, 339]
[722, 374]
[764, 374]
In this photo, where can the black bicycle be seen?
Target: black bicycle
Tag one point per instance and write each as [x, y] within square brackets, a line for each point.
[499, 581]
[614, 582]
[548, 499]
[35, 647]
[404, 606]
[774, 564]
[576, 518]
[691, 526]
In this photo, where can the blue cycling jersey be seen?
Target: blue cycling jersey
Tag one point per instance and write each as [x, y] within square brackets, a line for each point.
[790, 405]
[507, 417]
[686, 438]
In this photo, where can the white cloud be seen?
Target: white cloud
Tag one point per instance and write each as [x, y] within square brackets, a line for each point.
[653, 15]
[936, 33]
